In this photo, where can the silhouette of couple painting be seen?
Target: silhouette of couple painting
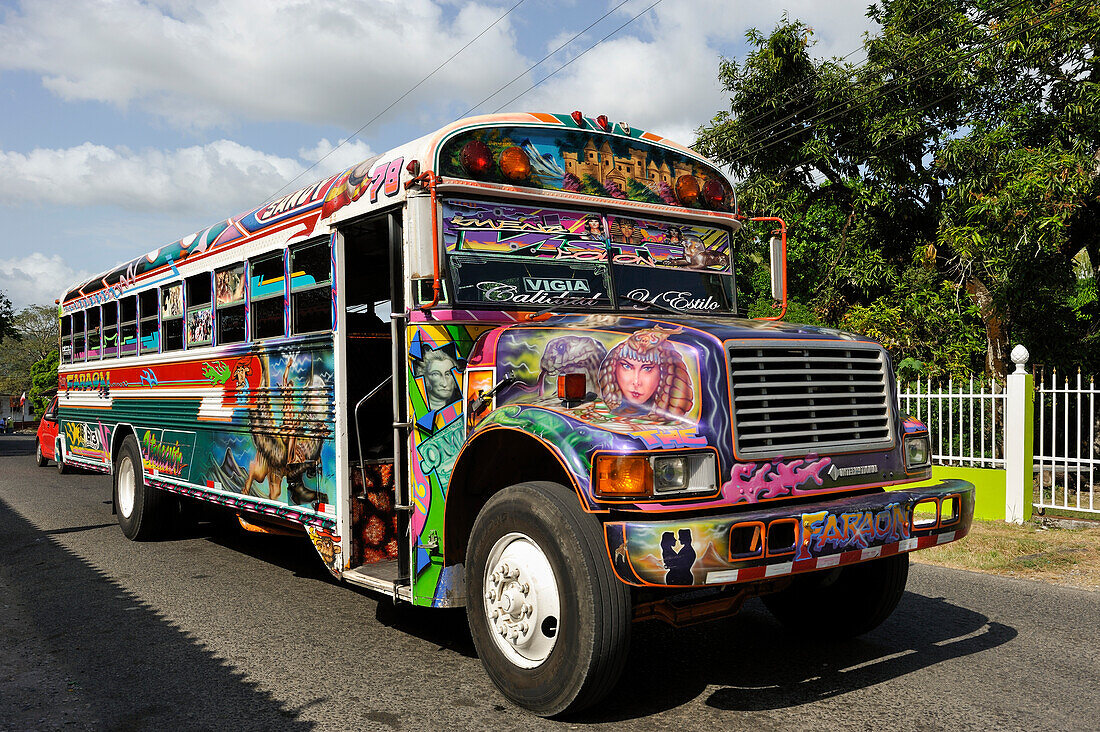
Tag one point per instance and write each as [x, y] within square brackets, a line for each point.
[678, 562]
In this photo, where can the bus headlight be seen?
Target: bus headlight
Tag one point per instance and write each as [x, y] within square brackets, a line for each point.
[918, 452]
[691, 473]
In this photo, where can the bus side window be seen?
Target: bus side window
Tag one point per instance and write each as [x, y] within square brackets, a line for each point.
[127, 318]
[229, 289]
[93, 333]
[200, 317]
[67, 339]
[311, 287]
[78, 336]
[171, 316]
[110, 330]
[267, 295]
[149, 326]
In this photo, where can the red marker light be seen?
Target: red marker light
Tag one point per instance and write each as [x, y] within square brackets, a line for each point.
[477, 158]
[571, 387]
[578, 118]
[714, 194]
[602, 122]
[413, 167]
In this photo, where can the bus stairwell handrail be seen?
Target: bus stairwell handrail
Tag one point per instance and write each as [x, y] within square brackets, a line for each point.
[358, 429]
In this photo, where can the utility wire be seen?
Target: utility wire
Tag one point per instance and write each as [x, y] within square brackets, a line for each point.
[944, 43]
[391, 105]
[537, 63]
[871, 95]
[582, 53]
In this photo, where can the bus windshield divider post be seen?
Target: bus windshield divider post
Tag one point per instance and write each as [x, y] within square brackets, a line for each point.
[437, 283]
[359, 431]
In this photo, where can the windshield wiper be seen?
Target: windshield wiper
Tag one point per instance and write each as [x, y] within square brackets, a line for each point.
[643, 301]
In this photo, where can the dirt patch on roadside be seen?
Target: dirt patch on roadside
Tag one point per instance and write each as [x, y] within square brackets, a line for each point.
[1062, 556]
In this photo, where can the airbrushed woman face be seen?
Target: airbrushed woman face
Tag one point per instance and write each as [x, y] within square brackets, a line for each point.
[637, 379]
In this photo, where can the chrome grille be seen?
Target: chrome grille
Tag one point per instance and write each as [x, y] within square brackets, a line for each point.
[802, 397]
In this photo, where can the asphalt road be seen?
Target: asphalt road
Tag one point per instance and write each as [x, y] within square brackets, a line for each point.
[236, 632]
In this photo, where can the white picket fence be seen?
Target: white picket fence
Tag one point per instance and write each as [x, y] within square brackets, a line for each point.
[968, 427]
[1067, 443]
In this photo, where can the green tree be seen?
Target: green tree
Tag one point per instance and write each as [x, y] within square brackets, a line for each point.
[43, 381]
[7, 326]
[961, 154]
[36, 331]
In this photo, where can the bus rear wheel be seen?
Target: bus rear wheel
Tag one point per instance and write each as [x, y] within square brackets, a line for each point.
[550, 621]
[59, 458]
[843, 602]
[142, 509]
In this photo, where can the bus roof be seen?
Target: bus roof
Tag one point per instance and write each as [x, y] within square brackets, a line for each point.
[581, 155]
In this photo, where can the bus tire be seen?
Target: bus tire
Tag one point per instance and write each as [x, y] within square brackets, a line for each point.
[39, 458]
[844, 602]
[142, 510]
[549, 619]
[59, 458]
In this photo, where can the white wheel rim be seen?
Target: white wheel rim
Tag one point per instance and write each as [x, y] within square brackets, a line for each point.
[127, 486]
[38, 451]
[521, 599]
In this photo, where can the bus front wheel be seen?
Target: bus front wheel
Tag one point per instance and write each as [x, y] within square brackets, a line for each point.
[140, 507]
[550, 621]
[845, 601]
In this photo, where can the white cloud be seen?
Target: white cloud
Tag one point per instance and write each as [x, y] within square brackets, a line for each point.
[222, 176]
[36, 279]
[200, 64]
[669, 84]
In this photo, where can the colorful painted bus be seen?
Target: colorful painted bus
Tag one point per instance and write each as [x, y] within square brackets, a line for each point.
[503, 367]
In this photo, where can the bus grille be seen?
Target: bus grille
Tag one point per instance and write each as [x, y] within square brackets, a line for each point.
[801, 398]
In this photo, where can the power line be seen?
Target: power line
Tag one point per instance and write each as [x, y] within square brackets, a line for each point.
[398, 100]
[537, 63]
[873, 94]
[762, 133]
[582, 53]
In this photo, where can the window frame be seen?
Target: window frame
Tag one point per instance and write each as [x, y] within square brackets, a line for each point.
[254, 300]
[302, 290]
[231, 305]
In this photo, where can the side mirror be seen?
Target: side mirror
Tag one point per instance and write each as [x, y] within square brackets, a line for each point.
[778, 270]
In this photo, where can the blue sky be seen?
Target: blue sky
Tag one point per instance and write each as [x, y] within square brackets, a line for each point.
[129, 123]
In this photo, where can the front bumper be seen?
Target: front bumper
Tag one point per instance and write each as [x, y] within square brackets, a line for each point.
[784, 540]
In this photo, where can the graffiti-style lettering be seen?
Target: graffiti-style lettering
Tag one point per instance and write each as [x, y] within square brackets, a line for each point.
[94, 380]
[685, 437]
[290, 202]
[828, 533]
[160, 456]
[438, 452]
[755, 482]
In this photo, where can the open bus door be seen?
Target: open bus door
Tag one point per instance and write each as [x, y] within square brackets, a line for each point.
[373, 335]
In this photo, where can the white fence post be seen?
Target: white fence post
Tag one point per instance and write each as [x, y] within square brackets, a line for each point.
[1019, 438]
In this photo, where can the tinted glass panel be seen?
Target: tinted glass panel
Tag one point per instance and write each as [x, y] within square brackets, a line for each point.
[93, 332]
[128, 307]
[312, 310]
[529, 284]
[78, 336]
[110, 330]
[198, 290]
[128, 335]
[173, 334]
[683, 291]
[267, 277]
[231, 324]
[150, 335]
[267, 318]
[310, 265]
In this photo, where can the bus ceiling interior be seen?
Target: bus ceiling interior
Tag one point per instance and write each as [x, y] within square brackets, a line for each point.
[371, 285]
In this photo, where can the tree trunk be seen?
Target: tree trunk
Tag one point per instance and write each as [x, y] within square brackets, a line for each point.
[996, 335]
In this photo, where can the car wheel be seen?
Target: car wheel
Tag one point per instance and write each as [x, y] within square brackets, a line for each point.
[39, 458]
[550, 621]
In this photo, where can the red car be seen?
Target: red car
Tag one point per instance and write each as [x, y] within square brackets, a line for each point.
[46, 440]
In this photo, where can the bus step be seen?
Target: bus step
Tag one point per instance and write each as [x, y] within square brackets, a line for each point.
[384, 577]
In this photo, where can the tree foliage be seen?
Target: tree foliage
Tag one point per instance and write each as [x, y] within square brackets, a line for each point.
[939, 191]
[36, 337]
[43, 381]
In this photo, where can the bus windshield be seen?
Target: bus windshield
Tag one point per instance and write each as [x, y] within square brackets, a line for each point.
[505, 255]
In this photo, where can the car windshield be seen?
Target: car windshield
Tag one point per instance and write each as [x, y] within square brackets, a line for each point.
[535, 258]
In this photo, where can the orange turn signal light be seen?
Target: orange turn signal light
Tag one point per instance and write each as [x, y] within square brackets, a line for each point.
[571, 387]
[623, 475]
[514, 164]
[687, 190]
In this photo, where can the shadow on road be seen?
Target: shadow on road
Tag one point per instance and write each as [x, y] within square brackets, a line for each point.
[761, 666]
[76, 645]
[13, 445]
